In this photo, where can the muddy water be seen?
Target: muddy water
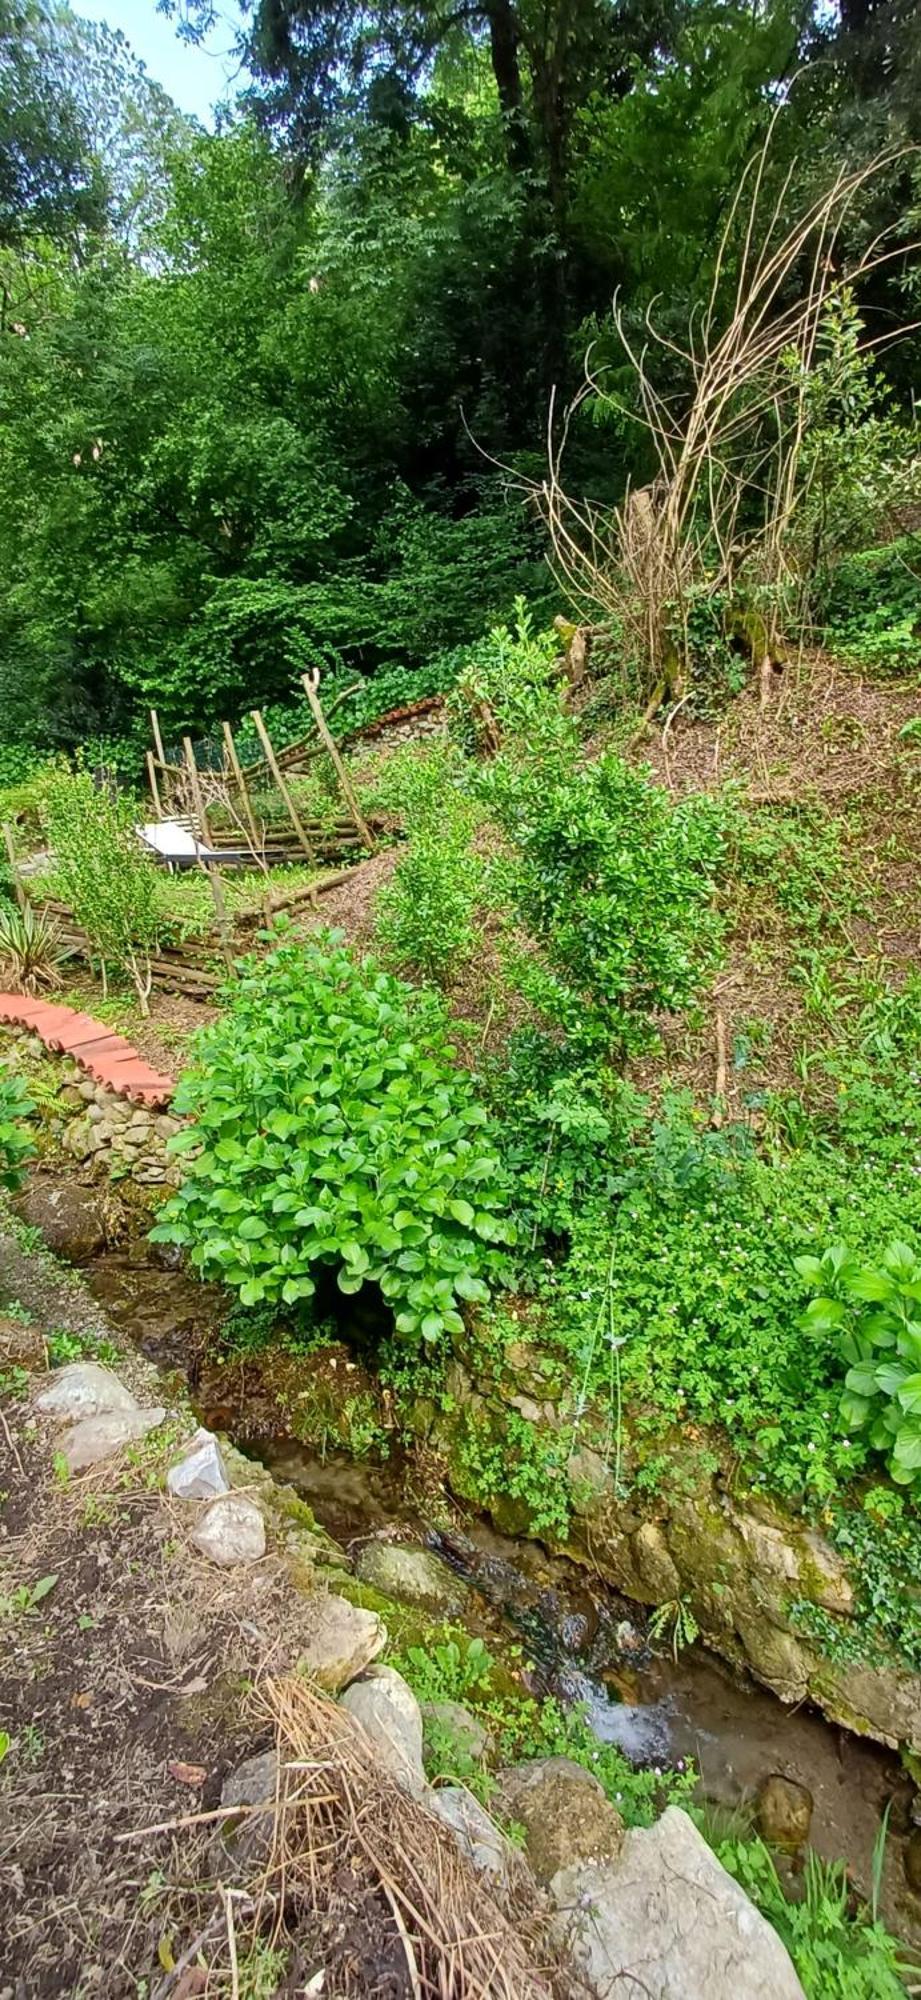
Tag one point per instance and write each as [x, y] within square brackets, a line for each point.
[581, 1642]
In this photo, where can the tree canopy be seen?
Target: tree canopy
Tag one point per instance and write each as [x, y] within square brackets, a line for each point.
[276, 386]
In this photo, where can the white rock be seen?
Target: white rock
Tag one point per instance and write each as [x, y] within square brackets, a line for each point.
[97, 1438]
[199, 1474]
[231, 1531]
[390, 1715]
[339, 1640]
[477, 1836]
[666, 1922]
[84, 1389]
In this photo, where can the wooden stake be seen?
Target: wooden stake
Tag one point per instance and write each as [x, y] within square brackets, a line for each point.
[158, 740]
[310, 684]
[237, 770]
[18, 890]
[207, 867]
[154, 787]
[278, 776]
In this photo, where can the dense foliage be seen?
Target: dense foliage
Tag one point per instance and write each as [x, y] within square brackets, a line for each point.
[330, 1128]
[256, 385]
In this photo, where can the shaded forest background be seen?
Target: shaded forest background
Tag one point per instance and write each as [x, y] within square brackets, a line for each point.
[268, 394]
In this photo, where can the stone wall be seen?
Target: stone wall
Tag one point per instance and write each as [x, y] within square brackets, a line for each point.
[92, 1125]
[737, 1560]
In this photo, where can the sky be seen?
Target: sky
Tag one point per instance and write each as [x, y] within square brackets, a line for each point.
[195, 77]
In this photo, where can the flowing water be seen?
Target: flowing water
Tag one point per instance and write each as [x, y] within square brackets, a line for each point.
[582, 1642]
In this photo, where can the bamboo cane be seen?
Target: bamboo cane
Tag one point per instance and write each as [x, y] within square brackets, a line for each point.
[310, 684]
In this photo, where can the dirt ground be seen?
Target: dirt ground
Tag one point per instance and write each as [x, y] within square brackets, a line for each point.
[134, 1677]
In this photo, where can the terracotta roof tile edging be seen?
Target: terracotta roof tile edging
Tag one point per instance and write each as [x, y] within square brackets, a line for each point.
[106, 1057]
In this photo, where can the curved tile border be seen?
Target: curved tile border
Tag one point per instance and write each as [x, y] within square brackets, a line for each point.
[107, 1058]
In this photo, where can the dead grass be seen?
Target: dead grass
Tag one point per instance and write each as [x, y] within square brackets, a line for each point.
[339, 1820]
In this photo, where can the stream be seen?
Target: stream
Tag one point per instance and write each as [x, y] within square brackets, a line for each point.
[581, 1641]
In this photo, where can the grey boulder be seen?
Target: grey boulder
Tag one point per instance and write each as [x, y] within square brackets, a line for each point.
[412, 1576]
[566, 1817]
[666, 1922]
[200, 1473]
[391, 1718]
[98, 1438]
[455, 1722]
[247, 1839]
[231, 1531]
[84, 1389]
[476, 1834]
[340, 1640]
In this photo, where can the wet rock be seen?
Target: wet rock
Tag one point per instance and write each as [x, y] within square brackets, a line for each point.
[248, 1840]
[84, 1389]
[564, 1812]
[68, 1217]
[199, 1474]
[784, 1812]
[391, 1717]
[911, 1860]
[775, 1657]
[823, 1576]
[667, 1922]
[658, 1576]
[472, 1739]
[231, 1531]
[591, 1481]
[884, 1702]
[477, 1836]
[95, 1439]
[342, 1640]
[412, 1576]
[21, 1345]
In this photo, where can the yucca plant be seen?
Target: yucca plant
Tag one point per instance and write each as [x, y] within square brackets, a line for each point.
[30, 948]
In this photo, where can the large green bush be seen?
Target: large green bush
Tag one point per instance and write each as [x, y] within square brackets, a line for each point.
[331, 1128]
[616, 883]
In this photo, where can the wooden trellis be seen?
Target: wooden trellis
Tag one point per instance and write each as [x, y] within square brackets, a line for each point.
[187, 791]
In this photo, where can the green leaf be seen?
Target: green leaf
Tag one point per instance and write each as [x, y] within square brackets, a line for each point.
[462, 1212]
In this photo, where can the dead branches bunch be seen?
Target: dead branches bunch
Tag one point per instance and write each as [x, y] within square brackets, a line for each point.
[339, 1818]
[728, 451]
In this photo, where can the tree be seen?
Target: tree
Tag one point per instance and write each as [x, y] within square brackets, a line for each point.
[49, 178]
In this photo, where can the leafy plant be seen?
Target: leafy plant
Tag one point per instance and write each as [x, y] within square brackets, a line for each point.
[30, 947]
[522, 1727]
[876, 1310]
[329, 1127]
[110, 885]
[16, 1146]
[26, 1598]
[838, 1955]
[675, 1621]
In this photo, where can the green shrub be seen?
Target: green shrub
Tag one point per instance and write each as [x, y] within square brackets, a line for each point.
[872, 610]
[685, 1257]
[875, 1312]
[16, 1147]
[509, 687]
[330, 1127]
[109, 883]
[426, 914]
[616, 884]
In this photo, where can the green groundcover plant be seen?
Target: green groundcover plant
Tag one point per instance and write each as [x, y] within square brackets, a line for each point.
[330, 1128]
[875, 1310]
[16, 1147]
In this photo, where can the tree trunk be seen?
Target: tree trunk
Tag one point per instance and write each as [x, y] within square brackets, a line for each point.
[503, 49]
